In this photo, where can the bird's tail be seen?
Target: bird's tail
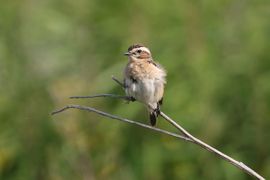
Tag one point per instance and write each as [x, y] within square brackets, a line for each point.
[154, 114]
[153, 117]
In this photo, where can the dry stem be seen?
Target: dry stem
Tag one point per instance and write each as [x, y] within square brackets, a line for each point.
[185, 134]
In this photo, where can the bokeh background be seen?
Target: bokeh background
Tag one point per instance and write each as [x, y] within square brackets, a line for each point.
[218, 60]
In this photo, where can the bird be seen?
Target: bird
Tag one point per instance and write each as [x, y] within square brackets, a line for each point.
[144, 80]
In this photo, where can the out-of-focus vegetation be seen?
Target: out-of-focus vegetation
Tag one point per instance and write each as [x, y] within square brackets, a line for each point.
[218, 61]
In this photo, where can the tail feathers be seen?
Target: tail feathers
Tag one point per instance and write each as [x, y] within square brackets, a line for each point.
[154, 113]
[153, 118]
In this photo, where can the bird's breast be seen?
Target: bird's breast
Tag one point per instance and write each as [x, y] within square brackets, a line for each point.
[142, 70]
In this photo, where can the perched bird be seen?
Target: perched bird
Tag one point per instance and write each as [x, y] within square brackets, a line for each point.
[144, 79]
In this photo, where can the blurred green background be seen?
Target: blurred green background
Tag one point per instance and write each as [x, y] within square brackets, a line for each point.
[218, 60]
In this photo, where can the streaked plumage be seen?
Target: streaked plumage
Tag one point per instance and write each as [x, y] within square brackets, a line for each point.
[144, 79]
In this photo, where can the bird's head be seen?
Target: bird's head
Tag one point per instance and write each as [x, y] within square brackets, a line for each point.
[137, 52]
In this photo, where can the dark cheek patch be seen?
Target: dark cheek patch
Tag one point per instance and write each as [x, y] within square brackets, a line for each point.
[144, 55]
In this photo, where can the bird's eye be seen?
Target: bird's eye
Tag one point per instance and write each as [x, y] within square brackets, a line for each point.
[139, 51]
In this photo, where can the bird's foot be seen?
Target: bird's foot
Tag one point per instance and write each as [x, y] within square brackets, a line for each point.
[130, 99]
[157, 110]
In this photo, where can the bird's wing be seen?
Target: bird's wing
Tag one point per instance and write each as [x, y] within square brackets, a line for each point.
[157, 65]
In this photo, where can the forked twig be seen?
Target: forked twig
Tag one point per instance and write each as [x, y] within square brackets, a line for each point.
[101, 95]
[90, 109]
[118, 82]
[186, 135]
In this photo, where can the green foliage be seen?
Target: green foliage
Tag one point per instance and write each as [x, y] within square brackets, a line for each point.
[217, 57]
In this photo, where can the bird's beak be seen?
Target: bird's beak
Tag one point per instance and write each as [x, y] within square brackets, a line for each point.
[127, 53]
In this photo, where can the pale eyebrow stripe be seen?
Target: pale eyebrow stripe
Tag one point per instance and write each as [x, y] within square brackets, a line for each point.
[145, 49]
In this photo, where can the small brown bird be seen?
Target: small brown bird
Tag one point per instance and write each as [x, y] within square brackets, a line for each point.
[144, 79]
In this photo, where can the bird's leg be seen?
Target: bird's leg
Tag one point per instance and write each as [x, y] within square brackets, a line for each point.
[130, 99]
[157, 110]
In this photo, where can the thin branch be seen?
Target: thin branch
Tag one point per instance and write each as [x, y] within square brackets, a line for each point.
[186, 135]
[118, 82]
[102, 95]
[90, 109]
[209, 148]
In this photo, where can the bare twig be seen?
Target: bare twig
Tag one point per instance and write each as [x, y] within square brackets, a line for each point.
[118, 82]
[186, 135]
[101, 95]
[90, 109]
[209, 148]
